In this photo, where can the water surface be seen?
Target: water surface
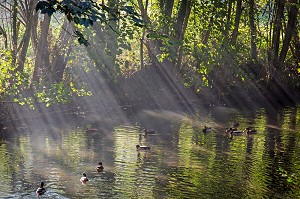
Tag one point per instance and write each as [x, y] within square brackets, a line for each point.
[183, 161]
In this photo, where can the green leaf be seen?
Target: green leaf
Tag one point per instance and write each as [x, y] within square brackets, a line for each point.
[41, 5]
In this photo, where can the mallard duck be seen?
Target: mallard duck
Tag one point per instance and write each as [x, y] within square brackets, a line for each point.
[227, 129]
[149, 132]
[249, 130]
[91, 130]
[99, 167]
[41, 190]
[236, 132]
[206, 129]
[233, 132]
[84, 179]
[138, 147]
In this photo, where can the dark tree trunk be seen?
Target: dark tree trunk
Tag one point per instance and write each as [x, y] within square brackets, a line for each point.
[252, 29]
[206, 33]
[169, 8]
[296, 46]
[112, 44]
[181, 22]
[184, 9]
[238, 15]
[228, 18]
[183, 29]
[166, 7]
[276, 32]
[292, 19]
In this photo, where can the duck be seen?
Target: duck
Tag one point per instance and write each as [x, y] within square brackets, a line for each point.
[41, 190]
[227, 129]
[206, 129]
[147, 132]
[235, 132]
[138, 147]
[91, 130]
[99, 167]
[84, 179]
[250, 130]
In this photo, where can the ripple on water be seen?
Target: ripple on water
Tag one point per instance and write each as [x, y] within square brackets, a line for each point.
[182, 163]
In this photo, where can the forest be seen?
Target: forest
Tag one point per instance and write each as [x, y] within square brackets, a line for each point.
[220, 51]
[173, 98]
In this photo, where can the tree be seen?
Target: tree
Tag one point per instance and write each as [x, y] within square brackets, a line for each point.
[252, 29]
[289, 30]
[238, 14]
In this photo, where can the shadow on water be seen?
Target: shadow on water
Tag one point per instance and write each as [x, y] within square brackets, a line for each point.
[183, 162]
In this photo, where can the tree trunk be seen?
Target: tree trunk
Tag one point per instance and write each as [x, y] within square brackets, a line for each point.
[27, 35]
[167, 9]
[61, 51]
[42, 55]
[151, 45]
[4, 35]
[183, 29]
[14, 32]
[296, 46]
[228, 18]
[180, 27]
[112, 44]
[292, 18]
[182, 14]
[144, 13]
[206, 33]
[238, 15]
[34, 34]
[252, 29]
[276, 32]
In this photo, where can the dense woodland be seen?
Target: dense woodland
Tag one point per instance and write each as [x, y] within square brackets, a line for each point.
[217, 49]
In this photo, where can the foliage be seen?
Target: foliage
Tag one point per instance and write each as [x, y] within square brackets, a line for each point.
[59, 93]
[6, 71]
[17, 85]
[86, 13]
[292, 179]
[204, 51]
[12, 82]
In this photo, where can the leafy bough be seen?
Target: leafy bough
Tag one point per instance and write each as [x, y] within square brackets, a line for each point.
[86, 13]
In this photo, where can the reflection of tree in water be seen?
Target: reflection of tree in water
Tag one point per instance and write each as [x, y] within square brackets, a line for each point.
[280, 149]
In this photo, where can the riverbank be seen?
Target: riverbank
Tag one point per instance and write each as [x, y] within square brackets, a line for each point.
[159, 88]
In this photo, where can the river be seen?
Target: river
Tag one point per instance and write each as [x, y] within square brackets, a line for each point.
[183, 161]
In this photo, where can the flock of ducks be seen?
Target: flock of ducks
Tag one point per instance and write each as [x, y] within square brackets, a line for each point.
[99, 168]
[231, 131]
[84, 179]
